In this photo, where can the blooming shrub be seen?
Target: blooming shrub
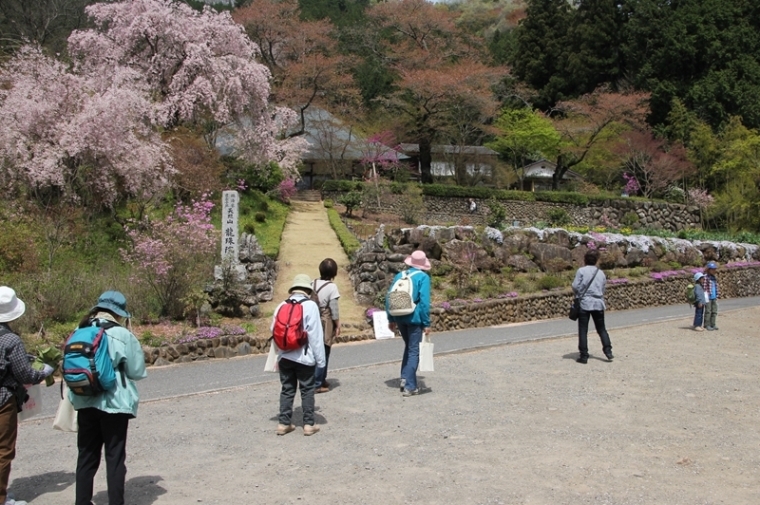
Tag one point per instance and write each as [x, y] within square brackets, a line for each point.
[621, 280]
[286, 189]
[661, 276]
[175, 255]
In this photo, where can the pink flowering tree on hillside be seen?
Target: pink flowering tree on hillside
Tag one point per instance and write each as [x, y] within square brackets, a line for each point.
[86, 137]
[91, 130]
[199, 66]
[173, 256]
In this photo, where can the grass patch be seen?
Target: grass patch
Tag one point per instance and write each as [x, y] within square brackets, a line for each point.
[347, 240]
[254, 206]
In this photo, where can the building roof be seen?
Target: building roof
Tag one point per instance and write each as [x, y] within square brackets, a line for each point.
[544, 169]
[327, 137]
[449, 149]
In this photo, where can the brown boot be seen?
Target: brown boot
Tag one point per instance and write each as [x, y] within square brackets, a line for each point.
[310, 429]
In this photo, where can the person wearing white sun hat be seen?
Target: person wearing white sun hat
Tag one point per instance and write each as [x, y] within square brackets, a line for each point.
[15, 371]
[413, 325]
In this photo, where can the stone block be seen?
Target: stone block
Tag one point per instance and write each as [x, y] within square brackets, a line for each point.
[161, 362]
[224, 352]
[243, 349]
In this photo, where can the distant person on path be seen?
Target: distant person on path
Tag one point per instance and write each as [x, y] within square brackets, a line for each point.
[711, 307]
[327, 293]
[297, 367]
[589, 285]
[104, 419]
[16, 371]
[413, 325]
[700, 290]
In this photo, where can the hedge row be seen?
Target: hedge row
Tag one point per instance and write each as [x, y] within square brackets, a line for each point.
[347, 240]
[483, 193]
[342, 186]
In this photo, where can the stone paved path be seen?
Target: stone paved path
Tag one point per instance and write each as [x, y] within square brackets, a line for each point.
[306, 241]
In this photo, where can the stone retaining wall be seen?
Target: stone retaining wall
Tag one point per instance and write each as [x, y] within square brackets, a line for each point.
[228, 346]
[667, 216]
[525, 250]
[733, 282]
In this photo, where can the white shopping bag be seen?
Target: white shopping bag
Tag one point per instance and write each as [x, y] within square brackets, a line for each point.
[271, 364]
[66, 416]
[33, 405]
[426, 355]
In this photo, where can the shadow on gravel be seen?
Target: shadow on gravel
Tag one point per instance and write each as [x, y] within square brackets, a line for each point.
[297, 417]
[143, 490]
[575, 355]
[29, 488]
[396, 384]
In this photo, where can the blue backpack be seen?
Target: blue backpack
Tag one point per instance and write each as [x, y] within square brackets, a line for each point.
[87, 366]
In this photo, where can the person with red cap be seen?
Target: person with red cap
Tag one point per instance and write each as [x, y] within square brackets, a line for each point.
[412, 325]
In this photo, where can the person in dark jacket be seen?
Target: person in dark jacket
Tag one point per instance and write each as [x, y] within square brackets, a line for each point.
[16, 371]
[590, 282]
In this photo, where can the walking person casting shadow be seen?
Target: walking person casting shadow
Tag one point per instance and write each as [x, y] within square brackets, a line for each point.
[588, 287]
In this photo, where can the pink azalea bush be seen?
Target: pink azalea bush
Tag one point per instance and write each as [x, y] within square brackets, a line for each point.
[175, 255]
[286, 189]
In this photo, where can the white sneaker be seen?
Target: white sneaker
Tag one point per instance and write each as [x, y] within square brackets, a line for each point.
[11, 501]
[698, 328]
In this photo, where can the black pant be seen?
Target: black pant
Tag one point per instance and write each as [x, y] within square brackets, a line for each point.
[98, 429]
[293, 375]
[598, 316]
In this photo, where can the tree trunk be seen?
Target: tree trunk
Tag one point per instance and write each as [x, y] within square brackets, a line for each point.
[426, 158]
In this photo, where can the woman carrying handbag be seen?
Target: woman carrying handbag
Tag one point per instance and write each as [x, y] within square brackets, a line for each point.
[588, 288]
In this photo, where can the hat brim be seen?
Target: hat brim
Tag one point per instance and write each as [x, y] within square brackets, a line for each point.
[113, 308]
[300, 287]
[426, 266]
[15, 313]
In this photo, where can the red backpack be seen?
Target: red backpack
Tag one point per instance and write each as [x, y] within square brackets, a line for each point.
[288, 332]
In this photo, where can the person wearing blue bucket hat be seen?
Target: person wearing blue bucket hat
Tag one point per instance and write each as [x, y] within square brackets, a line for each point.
[711, 307]
[115, 302]
[104, 418]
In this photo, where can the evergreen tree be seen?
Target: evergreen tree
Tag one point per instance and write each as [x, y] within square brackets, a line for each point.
[541, 49]
[704, 52]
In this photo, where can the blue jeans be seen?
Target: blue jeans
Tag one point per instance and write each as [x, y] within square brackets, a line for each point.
[699, 314]
[412, 335]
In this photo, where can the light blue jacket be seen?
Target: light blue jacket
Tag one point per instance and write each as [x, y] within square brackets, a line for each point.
[593, 298]
[125, 350]
[421, 314]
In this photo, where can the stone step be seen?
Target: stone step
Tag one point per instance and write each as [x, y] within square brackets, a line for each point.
[308, 195]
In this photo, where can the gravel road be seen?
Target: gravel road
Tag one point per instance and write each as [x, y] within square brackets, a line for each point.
[673, 420]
